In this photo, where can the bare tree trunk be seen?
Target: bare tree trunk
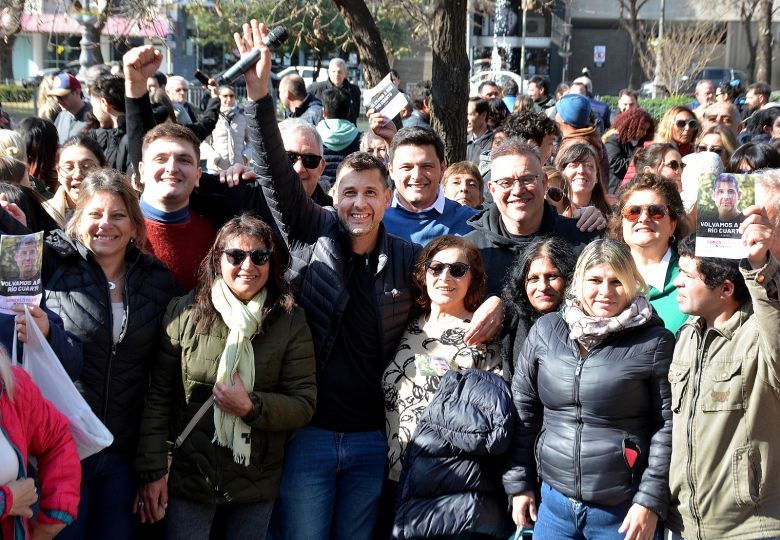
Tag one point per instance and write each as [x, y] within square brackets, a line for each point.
[367, 38]
[764, 42]
[747, 24]
[636, 33]
[6, 57]
[449, 76]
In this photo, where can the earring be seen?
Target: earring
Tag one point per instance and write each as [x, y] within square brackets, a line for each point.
[672, 239]
[132, 240]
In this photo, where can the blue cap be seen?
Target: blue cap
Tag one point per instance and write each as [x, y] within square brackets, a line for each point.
[574, 109]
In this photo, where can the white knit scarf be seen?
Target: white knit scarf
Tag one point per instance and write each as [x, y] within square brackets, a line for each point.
[590, 331]
[243, 320]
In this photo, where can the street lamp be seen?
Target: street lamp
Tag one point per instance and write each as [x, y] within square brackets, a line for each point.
[89, 39]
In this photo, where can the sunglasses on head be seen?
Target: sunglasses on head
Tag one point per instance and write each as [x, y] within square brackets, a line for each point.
[692, 124]
[656, 212]
[236, 257]
[675, 165]
[310, 161]
[457, 270]
[555, 194]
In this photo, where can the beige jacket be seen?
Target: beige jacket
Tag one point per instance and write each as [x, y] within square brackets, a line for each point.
[725, 470]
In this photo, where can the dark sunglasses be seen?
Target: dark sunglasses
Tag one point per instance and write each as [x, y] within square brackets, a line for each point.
[675, 165]
[692, 124]
[457, 270]
[555, 194]
[236, 257]
[705, 148]
[310, 161]
[656, 211]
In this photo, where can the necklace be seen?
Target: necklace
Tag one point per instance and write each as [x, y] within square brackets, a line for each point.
[113, 283]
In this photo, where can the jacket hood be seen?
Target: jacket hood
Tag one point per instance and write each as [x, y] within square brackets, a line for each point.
[488, 223]
[337, 134]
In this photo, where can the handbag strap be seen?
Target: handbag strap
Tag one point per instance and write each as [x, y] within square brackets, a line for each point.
[191, 424]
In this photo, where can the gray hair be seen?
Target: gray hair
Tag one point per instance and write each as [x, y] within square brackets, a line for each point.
[177, 78]
[769, 180]
[294, 126]
[338, 62]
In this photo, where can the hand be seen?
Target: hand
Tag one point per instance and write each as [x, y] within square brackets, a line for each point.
[381, 127]
[25, 495]
[234, 174]
[39, 316]
[213, 88]
[151, 500]
[639, 524]
[524, 509]
[12, 209]
[44, 531]
[140, 63]
[589, 219]
[257, 78]
[486, 321]
[756, 235]
[233, 399]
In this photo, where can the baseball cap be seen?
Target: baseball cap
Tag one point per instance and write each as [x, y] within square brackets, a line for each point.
[574, 109]
[64, 84]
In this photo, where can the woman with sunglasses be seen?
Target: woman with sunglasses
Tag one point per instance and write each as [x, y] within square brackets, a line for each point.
[578, 163]
[651, 219]
[78, 156]
[450, 282]
[591, 391]
[718, 140]
[238, 339]
[678, 126]
[662, 159]
[629, 132]
[112, 297]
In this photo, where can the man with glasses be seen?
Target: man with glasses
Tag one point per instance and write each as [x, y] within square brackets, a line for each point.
[176, 87]
[518, 185]
[227, 143]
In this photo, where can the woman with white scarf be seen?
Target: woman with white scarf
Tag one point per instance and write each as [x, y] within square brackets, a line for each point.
[238, 339]
[591, 390]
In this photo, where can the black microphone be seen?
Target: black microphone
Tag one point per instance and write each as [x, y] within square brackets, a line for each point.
[273, 40]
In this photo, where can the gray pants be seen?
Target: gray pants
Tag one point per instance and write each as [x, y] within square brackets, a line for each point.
[189, 520]
[669, 535]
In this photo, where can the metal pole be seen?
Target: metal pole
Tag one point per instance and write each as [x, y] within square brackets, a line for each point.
[659, 46]
[522, 48]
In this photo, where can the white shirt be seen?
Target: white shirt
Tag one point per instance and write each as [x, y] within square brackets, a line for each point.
[437, 205]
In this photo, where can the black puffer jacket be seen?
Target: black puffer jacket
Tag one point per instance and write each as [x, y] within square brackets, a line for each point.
[114, 378]
[114, 143]
[578, 416]
[451, 480]
[318, 245]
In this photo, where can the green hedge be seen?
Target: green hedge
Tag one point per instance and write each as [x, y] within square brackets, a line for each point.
[14, 94]
[656, 107]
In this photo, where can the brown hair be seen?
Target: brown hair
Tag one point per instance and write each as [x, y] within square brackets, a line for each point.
[464, 167]
[664, 187]
[576, 151]
[116, 183]
[279, 295]
[172, 131]
[478, 285]
[634, 125]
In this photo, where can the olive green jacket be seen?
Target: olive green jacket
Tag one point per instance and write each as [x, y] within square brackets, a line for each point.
[284, 397]
[725, 469]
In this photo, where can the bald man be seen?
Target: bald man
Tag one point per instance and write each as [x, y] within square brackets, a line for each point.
[337, 78]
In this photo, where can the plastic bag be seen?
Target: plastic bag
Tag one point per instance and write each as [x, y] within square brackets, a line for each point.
[45, 369]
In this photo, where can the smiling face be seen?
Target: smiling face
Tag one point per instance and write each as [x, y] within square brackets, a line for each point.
[646, 232]
[444, 290]
[582, 177]
[169, 171]
[73, 165]
[416, 172]
[360, 200]
[522, 205]
[105, 227]
[246, 279]
[603, 295]
[463, 188]
[544, 285]
[302, 142]
[227, 99]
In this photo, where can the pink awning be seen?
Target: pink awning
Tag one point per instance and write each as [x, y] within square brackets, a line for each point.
[116, 26]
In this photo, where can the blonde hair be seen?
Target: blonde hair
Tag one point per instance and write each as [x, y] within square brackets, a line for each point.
[12, 145]
[664, 132]
[617, 255]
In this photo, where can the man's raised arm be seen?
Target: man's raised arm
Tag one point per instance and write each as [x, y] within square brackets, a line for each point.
[140, 63]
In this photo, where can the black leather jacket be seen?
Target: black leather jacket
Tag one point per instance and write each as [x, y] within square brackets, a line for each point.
[579, 416]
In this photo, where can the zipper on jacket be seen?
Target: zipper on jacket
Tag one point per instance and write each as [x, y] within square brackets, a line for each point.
[109, 367]
[691, 411]
[578, 436]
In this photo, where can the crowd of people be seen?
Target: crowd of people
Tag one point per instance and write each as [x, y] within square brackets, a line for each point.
[297, 330]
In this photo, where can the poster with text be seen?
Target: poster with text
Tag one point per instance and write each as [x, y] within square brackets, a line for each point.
[721, 201]
[20, 270]
[385, 98]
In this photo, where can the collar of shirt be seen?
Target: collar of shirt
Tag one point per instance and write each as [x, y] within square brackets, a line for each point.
[438, 204]
[657, 276]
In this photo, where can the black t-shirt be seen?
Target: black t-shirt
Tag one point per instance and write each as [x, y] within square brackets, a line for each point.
[349, 394]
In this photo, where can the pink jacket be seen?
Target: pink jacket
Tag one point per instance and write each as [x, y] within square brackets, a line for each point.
[35, 427]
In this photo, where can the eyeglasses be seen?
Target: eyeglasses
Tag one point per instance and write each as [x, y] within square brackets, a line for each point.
[705, 148]
[310, 161]
[656, 212]
[84, 167]
[258, 256]
[457, 270]
[555, 194]
[675, 165]
[527, 181]
[692, 124]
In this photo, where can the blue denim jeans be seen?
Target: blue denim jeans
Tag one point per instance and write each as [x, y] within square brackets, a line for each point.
[563, 518]
[190, 520]
[108, 489]
[330, 486]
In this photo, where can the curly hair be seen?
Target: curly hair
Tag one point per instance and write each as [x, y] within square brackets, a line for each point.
[478, 285]
[279, 295]
[666, 189]
[530, 125]
[634, 125]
